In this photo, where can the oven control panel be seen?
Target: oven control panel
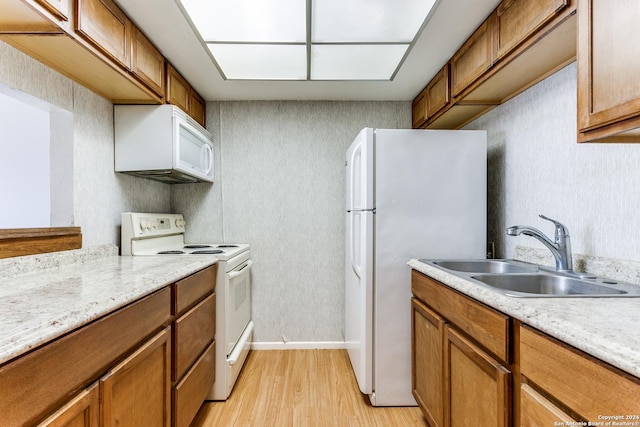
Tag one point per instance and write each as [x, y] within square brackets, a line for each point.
[141, 225]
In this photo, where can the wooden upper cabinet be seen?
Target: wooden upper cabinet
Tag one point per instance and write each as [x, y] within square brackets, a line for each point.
[475, 56]
[181, 94]
[177, 89]
[147, 63]
[419, 110]
[59, 8]
[516, 20]
[438, 92]
[102, 23]
[608, 70]
[197, 107]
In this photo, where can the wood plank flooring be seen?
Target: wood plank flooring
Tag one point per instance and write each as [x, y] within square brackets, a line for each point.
[301, 388]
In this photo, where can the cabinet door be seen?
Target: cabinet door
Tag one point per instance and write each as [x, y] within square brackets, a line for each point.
[438, 92]
[177, 89]
[608, 63]
[477, 387]
[536, 411]
[103, 24]
[137, 391]
[474, 57]
[147, 63]
[81, 411]
[516, 20]
[197, 107]
[427, 336]
[419, 110]
[60, 8]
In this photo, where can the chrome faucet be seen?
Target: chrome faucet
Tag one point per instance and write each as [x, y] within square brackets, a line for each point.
[560, 248]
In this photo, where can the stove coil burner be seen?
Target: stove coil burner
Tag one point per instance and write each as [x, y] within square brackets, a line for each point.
[196, 246]
[227, 246]
[208, 251]
[170, 252]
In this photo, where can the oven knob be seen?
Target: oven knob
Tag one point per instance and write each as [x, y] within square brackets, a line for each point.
[180, 223]
[154, 224]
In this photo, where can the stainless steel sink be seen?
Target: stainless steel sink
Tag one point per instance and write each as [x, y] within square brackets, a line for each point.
[485, 266]
[521, 279]
[548, 285]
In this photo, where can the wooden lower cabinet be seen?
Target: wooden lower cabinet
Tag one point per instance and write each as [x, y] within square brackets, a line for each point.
[427, 381]
[537, 411]
[477, 387]
[458, 379]
[137, 391]
[81, 411]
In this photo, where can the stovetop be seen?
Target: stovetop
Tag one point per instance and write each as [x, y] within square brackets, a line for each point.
[163, 234]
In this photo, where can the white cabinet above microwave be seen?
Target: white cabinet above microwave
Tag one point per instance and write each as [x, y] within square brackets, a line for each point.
[162, 142]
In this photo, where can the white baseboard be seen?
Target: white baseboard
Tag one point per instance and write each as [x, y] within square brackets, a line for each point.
[298, 345]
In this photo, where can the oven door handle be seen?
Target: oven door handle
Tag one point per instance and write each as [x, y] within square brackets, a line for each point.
[244, 270]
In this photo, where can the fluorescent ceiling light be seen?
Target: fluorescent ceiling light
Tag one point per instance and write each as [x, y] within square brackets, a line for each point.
[368, 21]
[261, 61]
[355, 62]
[252, 21]
[308, 39]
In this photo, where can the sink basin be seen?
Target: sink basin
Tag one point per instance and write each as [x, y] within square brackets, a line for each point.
[522, 279]
[484, 266]
[550, 285]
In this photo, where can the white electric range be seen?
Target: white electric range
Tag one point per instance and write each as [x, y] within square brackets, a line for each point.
[146, 234]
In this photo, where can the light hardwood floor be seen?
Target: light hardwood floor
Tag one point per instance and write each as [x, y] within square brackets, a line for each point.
[301, 388]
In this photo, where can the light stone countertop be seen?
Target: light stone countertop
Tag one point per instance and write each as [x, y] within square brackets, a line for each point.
[38, 306]
[606, 328]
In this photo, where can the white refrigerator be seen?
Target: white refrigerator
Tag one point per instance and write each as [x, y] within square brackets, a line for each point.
[410, 194]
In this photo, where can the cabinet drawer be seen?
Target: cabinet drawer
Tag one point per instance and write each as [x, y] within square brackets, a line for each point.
[191, 289]
[193, 332]
[488, 327]
[586, 385]
[58, 369]
[191, 391]
[516, 20]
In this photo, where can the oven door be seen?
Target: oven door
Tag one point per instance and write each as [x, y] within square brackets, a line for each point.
[238, 303]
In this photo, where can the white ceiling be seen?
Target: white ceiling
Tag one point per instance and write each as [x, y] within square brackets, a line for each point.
[450, 25]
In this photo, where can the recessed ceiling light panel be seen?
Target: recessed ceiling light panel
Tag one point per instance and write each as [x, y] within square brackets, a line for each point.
[261, 62]
[249, 20]
[367, 21]
[355, 62]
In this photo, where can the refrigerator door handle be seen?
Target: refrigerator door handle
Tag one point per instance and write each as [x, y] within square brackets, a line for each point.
[352, 173]
[354, 266]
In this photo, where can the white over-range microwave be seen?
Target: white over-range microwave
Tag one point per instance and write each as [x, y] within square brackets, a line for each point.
[162, 142]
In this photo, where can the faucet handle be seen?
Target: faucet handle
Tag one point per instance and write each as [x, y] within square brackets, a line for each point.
[561, 229]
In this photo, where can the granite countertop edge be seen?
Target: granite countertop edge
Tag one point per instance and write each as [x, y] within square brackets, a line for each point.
[40, 306]
[605, 328]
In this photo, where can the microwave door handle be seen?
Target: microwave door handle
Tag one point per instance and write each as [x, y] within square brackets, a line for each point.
[208, 158]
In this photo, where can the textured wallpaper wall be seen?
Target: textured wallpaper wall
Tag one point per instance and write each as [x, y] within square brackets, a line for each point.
[282, 191]
[536, 166]
[99, 194]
